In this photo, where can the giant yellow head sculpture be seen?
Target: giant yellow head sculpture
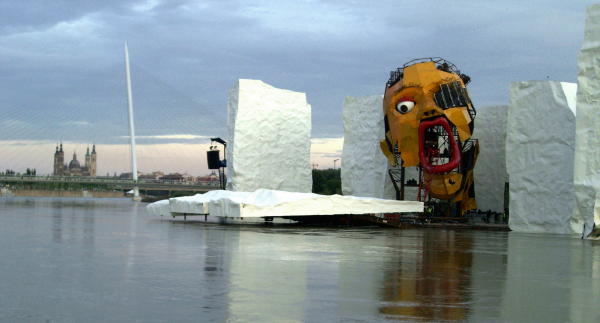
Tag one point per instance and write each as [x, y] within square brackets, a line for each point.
[429, 121]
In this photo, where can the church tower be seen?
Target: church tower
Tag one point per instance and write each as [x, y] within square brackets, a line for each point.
[88, 160]
[92, 167]
[59, 160]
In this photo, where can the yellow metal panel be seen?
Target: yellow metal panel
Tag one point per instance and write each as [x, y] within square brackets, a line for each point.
[443, 186]
[460, 118]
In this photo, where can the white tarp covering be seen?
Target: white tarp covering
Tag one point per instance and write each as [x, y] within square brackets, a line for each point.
[272, 203]
[587, 152]
[269, 138]
[182, 204]
[490, 169]
[364, 167]
[159, 208]
[540, 143]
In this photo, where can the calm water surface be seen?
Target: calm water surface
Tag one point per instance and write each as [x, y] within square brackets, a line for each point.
[87, 260]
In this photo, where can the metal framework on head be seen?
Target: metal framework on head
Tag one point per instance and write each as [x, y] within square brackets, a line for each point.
[440, 63]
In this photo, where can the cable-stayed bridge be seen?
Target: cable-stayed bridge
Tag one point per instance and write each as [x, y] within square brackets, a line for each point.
[114, 183]
[172, 126]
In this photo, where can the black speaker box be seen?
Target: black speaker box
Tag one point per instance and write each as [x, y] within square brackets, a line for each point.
[212, 156]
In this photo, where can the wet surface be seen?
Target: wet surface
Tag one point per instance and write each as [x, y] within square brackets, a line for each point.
[76, 260]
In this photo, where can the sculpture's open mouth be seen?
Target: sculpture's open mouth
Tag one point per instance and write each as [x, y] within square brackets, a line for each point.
[438, 149]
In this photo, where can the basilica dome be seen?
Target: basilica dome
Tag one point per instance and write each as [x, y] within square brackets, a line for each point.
[74, 163]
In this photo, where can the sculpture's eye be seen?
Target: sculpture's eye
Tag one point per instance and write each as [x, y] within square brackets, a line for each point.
[405, 106]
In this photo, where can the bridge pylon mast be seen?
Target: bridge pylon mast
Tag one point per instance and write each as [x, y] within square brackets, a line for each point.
[136, 191]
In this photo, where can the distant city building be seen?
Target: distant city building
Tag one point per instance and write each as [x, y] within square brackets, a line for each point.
[153, 175]
[172, 177]
[213, 177]
[74, 168]
[128, 175]
[188, 178]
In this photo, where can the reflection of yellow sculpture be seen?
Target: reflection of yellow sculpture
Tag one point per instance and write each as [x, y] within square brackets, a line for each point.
[429, 122]
[431, 285]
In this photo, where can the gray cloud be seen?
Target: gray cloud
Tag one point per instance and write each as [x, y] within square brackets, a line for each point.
[62, 60]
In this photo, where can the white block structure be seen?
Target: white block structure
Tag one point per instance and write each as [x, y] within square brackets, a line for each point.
[490, 169]
[587, 153]
[364, 167]
[540, 144]
[269, 138]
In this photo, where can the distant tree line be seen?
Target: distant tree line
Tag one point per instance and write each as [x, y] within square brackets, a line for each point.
[66, 186]
[327, 181]
[29, 172]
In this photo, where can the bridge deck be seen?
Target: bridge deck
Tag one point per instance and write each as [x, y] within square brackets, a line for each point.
[117, 183]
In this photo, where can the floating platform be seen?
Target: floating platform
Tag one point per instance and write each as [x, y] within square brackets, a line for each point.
[281, 207]
[420, 220]
[267, 205]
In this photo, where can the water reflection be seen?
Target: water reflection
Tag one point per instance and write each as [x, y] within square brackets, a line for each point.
[94, 260]
[89, 223]
[267, 277]
[216, 271]
[432, 282]
[57, 221]
[551, 278]
[75, 223]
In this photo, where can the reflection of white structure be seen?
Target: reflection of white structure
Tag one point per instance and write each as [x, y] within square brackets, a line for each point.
[587, 152]
[264, 286]
[530, 292]
[490, 168]
[269, 138]
[551, 279]
[487, 276]
[539, 146]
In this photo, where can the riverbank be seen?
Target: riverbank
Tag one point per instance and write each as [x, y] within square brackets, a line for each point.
[60, 193]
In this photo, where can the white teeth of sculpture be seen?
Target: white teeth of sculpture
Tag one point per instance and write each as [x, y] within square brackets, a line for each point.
[587, 155]
[490, 169]
[540, 146]
[269, 138]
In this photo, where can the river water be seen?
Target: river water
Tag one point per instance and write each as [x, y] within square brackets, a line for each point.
[87, 260]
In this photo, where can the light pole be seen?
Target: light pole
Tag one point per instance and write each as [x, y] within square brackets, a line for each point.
[335, 161]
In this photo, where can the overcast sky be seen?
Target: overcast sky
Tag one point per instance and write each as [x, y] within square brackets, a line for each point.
[62, 69]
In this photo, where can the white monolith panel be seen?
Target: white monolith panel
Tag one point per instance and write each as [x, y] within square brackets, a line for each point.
[364, 167]
[587, 152]
[269, 138]
[490, 169]
[540, 144]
